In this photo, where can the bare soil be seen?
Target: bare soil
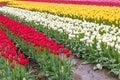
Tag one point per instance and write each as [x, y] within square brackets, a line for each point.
[86, 72]
[36, 70]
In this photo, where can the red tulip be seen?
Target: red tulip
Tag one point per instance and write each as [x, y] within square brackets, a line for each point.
[58, 58]
[23, 61]
[74, 55]
[6, 56]
[11, 59]
[68, 55]
[12, 66]
[42, 49]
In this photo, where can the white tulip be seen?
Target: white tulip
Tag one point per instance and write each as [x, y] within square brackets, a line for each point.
[71, 36]
[99, 66]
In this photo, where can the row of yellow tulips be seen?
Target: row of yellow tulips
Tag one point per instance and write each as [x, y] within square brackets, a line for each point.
[96, 13]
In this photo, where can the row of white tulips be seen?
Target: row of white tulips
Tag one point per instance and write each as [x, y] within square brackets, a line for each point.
[110, 35]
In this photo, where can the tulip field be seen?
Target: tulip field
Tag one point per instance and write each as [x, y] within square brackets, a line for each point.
[53, 32]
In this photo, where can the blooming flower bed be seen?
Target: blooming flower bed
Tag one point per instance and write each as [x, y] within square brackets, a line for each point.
[107, 15]
[95, 42]
[44, 32]
[28, 34]
[72, 27]
[45, 50]
[13, 61]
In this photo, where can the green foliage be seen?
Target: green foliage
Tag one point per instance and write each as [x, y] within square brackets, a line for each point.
[18, 73]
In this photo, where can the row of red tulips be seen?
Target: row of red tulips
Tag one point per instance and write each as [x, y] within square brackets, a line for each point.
[31, 35]
[85, 2]
[52, 57]
[8, 50]
[12, 61]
